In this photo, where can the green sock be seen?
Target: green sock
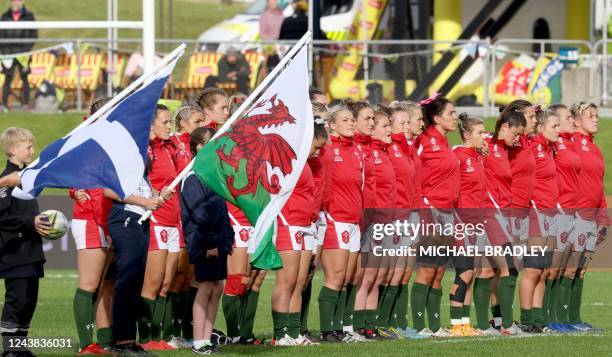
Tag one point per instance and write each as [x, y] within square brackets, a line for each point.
[506, 289]
[105, 336]
[418, 302]
[247, 317]
[306, 294]
[526, 317]
[399, 314]
[83, 307]
[434, 299]
[546, 302]
[482, 296]
[187, 325]
[294, 324]
[179, 310]
[370, 319]
[339, 311]
[328, 299]
[538, 315]
[158, 317]
[563, 300]
[359, 320]
[147, 306]
[466, 311]
[167, 322]
[384, 313]
[231, 312]
[349, 308]
[381, 295]
[576, 301]
[552, 303]
[280, 321]
[456, 313]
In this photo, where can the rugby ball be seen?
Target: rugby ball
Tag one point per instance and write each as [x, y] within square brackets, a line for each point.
[58, 222]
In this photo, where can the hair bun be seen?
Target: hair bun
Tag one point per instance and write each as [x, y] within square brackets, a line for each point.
[463, 116]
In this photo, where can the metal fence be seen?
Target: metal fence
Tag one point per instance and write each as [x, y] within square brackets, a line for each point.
[476, 73]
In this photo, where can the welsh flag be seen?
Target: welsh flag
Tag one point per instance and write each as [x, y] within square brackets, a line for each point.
[256, 161]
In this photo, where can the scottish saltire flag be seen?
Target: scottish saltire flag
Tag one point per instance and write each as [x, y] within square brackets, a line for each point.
[256, 162]
[108, 153]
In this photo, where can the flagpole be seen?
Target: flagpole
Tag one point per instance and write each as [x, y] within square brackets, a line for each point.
[124, 93]
[279, 67]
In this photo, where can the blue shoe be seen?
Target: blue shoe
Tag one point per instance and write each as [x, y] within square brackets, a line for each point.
[583, 326]
[561, 328]
[410, 334]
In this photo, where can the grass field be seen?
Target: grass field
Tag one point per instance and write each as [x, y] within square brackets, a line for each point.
[54, 318]
[48, 128]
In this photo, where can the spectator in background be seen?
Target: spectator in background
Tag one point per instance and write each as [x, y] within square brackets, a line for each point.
[135, 65]
[234, 68]
[271, 21]
[296, 25]
[17, 12]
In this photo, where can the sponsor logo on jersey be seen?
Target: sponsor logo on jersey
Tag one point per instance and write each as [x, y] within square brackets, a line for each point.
[396, 151]
[469, 168]
[377, 159]
[496, 151]
[434, 145]
[561, 144]
[337, 156]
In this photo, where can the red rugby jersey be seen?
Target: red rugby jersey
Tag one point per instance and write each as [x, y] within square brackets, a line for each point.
[472, 192]
[568, 165]
[386, 190]
[592, 199]
[182, 152]
[546, 192]
[237, 216]
[498, 175]
[96, 208]
[162, 173]
[522, 164]
[418, 175]
[298, 209]
[346, 181]
[399, 154]
[317, 167]
[440, 169]
[363, 147]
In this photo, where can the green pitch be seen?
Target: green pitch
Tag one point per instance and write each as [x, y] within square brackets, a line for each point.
[53, 317]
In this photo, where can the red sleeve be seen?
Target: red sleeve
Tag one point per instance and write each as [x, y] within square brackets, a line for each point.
[602, 216]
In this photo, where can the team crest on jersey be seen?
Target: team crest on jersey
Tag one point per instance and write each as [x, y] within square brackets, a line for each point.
[298, 237]
[244, 235]
[561, 144]
[496, 151]
[581, 239]
[396, 151]
[345, 237]
[164, 236]
[585, 147]
[469, 168]
[377, 159]
[540, 151]
[434, 145]
[564, 236]
[337, 156]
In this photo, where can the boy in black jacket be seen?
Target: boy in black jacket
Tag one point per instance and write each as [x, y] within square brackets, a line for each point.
[21, 253]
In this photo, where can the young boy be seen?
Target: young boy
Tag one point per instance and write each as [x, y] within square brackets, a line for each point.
[21, 253]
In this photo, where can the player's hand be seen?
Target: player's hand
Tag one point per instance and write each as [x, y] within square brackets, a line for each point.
[212, 253]
[153, 203]
[166, 193]
[42, 225]
[484, 151]
[11, 180]
[602, 234]
[81, 196]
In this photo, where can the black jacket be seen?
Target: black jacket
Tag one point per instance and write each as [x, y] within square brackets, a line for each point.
[294, 26]
[206, 224]
[7, 48]
[20, 244]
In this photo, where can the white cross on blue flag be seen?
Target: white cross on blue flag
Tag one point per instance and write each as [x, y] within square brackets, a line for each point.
[109, 153]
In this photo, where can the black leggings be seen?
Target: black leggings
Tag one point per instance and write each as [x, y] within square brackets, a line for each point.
[20, 301]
